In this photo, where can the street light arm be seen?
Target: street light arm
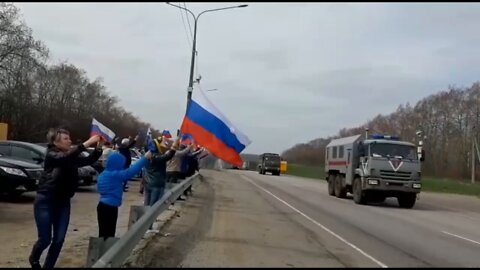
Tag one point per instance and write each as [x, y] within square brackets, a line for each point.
[194, 50]
[217, 9]
[168, 3]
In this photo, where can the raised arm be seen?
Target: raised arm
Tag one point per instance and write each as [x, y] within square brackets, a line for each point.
[92, 158]
[60, 158]
[136, 167]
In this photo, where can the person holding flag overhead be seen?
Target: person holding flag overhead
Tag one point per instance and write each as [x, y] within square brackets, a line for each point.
[57, 186]
[190, 165]
[174, 166]
[156, 175]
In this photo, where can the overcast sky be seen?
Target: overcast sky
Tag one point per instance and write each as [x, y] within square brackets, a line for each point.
[285, 73]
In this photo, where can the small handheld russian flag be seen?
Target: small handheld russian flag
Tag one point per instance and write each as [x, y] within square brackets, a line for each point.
[166, 134]
[101, 130]
[187, 139]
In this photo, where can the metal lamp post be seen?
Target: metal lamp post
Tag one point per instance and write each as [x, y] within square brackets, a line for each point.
[192, 65]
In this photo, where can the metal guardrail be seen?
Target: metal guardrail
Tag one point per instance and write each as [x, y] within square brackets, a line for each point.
[116, 255]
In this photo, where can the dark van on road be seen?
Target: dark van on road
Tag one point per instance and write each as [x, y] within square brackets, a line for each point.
[269, 162]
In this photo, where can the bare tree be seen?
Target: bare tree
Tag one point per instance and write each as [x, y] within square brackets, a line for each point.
[35, 96]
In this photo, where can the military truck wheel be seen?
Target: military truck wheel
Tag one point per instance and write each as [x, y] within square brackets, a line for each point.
[340, 190]
[407, 200]
[359, 196]
[331, 185]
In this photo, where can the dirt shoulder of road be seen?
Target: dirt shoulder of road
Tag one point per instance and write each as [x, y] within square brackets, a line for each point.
[18, 231]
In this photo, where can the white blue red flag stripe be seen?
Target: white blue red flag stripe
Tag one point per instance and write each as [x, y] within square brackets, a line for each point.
[101, 130]
[211, 129]
[166, 134]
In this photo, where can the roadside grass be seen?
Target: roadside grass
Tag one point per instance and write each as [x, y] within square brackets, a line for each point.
[440, 185]
[315, 172]
[450, 186]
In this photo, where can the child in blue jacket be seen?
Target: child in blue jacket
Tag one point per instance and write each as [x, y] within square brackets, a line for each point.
[110, 186]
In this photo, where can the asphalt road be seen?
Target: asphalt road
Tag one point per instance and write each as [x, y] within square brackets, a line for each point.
[244, 219]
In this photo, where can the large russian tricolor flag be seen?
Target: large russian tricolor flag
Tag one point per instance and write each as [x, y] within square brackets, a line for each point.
[101, 130]
[211, 129]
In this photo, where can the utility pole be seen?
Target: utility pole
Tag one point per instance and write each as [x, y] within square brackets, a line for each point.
[473, 161]
[474, 146]
[473, 155]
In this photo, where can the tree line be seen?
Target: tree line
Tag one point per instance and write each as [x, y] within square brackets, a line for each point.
[449, 119]
[36, 96]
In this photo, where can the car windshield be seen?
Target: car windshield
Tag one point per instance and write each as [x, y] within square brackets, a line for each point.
[272, 159]
[393, 150]
[39, 148]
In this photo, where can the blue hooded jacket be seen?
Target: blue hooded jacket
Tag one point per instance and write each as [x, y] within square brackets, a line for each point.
[110, 181]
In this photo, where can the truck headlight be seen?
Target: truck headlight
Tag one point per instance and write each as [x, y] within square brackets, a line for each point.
[373, 182]
[13, 171]
[417, 185]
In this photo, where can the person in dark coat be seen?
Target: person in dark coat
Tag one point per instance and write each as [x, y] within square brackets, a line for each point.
[57, 186]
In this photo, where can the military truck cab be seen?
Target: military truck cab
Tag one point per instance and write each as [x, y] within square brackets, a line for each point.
[269, 162]
[373, 169]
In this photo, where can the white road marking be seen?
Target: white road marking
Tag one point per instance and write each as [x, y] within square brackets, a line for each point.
[461, 237]
[318, 224]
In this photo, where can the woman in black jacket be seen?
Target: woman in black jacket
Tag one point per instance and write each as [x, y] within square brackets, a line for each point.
[57, 186]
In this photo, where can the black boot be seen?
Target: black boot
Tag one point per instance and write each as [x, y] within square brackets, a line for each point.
[34, 264]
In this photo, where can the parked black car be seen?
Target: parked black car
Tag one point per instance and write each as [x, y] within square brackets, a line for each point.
[35, 153]
[18, 176]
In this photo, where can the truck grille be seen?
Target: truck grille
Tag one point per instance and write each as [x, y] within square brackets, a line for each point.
[392, 175]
